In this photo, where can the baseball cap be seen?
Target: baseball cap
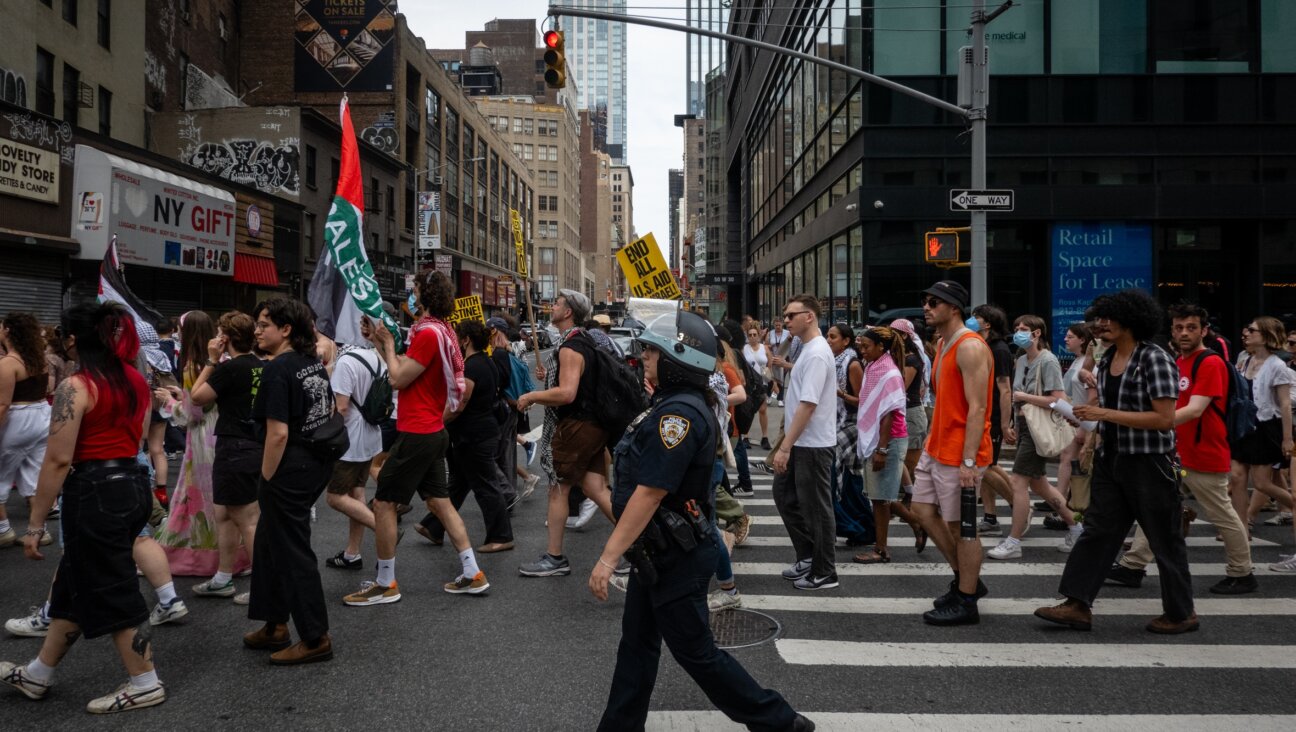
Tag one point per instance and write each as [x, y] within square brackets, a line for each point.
[498, 323]
[951, 292]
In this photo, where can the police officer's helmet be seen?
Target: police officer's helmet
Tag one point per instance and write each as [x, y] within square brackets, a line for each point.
[685, 339]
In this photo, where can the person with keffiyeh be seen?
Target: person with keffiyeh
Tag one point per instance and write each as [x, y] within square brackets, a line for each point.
[883, 433]
[853, 513]
[430, 378]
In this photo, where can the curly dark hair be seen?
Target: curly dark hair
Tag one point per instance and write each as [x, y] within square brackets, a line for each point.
[283, 311]
[1135, 310]
[475, 332]
[28, 344]
[1181, 310]
[996, 321]
[436, 293]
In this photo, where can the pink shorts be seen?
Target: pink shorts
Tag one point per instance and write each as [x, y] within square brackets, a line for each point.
[938, 484]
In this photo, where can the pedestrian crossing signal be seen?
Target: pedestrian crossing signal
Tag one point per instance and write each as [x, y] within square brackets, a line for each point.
[555, 74]
[941, 247]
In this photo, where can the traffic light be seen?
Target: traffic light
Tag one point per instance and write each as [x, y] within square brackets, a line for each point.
[941, 247]
[555, 60]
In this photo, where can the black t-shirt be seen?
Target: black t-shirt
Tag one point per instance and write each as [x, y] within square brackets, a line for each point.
[1003, 369]
[294, 390]
[913, 393]
[672, 448]
[582, 344]
[1110, 400]
[235, 382]
[503, 369]
[478, 416]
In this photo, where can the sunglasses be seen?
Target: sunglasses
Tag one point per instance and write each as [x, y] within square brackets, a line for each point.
[1291, 343]
[932, 302]
[793, 313]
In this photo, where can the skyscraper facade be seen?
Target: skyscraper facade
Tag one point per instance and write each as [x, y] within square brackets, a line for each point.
[702, 54]
[596, 56]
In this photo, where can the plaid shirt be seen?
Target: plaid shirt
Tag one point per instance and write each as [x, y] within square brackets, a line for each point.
[1151, 374]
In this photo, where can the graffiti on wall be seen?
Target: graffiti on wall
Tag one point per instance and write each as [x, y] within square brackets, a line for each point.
[13, 87]
[154, 72]
[383, 138]
[46, 133]
[269, 162]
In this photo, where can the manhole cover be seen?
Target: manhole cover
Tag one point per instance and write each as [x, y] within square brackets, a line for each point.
[743, 628]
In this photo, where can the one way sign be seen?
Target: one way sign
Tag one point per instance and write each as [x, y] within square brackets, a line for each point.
[964, 200]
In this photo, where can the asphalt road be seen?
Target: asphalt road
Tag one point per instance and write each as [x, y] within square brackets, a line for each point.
[537, 654]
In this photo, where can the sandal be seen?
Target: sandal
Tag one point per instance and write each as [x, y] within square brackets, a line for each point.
[874, 557]
[920, 539]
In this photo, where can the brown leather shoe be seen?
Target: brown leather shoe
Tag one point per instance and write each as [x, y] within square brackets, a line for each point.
[1189, 516]
[1165, 626]
[299, 653]
[263, 640]
[1072, 613]
[495, 546]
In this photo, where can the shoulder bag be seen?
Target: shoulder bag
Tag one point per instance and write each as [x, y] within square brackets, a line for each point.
[1049, 430]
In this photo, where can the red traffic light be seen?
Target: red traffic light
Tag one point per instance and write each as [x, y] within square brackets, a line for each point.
[552, 38]
[941, 246]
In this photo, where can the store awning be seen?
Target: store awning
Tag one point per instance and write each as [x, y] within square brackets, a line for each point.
[255, 270]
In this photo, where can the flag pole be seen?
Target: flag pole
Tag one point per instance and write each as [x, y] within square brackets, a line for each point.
[535, 340]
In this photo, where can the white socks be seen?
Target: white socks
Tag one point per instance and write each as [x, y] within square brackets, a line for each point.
[144, 681]
[386, 571]
[220, 579]
[469, 562]
[166, 593]
[4, 526]
[40, 672]
[350, 557]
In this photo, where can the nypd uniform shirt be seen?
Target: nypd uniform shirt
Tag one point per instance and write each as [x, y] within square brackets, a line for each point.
[672, 448]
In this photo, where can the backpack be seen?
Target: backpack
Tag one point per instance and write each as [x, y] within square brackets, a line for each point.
[519, 379]
[377, 405]
[1239, 414]
[618, 395]
[757, 390]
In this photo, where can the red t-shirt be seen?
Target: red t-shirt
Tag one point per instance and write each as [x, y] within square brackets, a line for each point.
[422, 403]
[733, 379]
[107, 432]
[1211, 453]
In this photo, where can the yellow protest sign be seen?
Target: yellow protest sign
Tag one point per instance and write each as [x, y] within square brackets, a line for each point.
[467, 308]
[517, 242]
[645, 270]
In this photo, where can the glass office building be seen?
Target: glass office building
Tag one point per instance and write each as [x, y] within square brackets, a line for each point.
[1150, 143]
[596, 54]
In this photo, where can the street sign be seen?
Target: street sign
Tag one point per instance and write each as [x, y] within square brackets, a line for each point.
[718, 279]
[965, 200]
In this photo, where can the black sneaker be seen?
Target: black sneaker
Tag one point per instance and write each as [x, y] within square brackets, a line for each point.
[1054, 522]
[811, 582]
[802, 724]
[1123, 576]
[957, 613]
[1236, 585]
[1042, 506]
[339, 561]
[743, 491]
[951, 596]
[765, 443]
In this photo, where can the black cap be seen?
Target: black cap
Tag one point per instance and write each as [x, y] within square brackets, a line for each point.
[951, 292]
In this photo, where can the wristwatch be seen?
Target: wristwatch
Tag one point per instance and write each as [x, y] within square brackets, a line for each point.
[969, 463]
[883, 450]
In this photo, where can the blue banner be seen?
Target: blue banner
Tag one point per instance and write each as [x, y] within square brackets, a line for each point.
[1092, 258]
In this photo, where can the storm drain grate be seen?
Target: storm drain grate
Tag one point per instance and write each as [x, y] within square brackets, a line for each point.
[743, 628]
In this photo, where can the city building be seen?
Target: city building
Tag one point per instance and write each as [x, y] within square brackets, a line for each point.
[622, 206]
[693, 201]
[1149, 144]
[517, 51]
[596, 232]
[596, 57]
[674, 191]
[703, 55]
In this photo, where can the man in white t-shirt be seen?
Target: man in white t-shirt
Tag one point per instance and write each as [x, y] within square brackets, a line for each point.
[778, 341]
[354, 372]
[804, 461]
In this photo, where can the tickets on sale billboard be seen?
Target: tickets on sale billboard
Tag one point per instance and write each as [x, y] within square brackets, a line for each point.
[645, 270]
[467, 308]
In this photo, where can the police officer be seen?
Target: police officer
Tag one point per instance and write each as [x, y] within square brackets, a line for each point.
[662, 491]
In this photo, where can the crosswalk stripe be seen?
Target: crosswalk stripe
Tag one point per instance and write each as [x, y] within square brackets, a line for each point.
[991, 541]
[713, 721]
[940, 569]
[1035, 655]
[1150, 607]
[776, 520]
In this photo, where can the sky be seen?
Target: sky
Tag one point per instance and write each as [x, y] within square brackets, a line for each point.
[654, 89]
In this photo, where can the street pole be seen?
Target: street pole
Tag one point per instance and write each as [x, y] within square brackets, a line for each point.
[977, 117]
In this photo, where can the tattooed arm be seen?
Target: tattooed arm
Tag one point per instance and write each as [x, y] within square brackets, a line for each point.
[71, 402]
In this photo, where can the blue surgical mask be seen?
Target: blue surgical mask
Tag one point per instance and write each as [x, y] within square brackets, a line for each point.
[973, 325]
[413, 303]
[1021, 339]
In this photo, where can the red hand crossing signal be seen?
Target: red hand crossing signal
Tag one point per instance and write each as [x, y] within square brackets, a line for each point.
[941, 246]
[555, 60]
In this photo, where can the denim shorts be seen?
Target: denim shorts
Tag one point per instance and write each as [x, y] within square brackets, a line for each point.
[884, 485]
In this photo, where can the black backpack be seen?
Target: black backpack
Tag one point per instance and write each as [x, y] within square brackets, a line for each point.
[618, 396]
[1240, 413]
[757, 390]
[377, 405]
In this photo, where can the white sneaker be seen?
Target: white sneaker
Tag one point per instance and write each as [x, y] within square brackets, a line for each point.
[32, 626]
[16, 676]
[1286, 566]
[587, 510]
[243, 598]
[166, 613]
[988, 528]
[1068, 542]
[126, 699]
[1282, 519]
[720, 600]
[1009, 548]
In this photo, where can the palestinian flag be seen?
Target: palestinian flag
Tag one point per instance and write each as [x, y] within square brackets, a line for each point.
[344, 287]
[112, 288]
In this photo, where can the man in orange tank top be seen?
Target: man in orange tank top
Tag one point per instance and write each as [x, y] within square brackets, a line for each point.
[957, 451]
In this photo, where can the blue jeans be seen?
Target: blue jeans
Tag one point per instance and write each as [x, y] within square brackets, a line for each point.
[744, 470]
[852, 508]
[724, 566]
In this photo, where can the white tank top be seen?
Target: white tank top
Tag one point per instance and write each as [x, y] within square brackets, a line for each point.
[757, 359]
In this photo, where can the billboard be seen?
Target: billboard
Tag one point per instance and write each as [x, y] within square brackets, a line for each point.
[344, 45]
[429, 220]
[1092, 258]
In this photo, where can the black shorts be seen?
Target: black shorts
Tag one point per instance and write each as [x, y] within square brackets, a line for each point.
[104, 510]
[417, 462]
[389, 434]
[236, 472]
[347, 476]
